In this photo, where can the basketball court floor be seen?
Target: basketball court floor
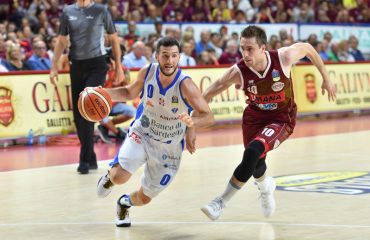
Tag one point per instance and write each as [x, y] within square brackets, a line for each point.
[322, 173]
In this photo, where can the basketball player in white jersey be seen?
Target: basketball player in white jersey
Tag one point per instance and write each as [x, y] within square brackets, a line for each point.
[156, 136]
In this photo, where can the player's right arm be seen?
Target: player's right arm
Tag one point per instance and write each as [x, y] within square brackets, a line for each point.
[61, 45]
[231, 76]
[131, 91]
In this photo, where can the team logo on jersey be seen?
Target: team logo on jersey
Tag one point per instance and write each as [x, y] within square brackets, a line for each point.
[268, 106]
[161, 101]
[145, 121]
[276, 87]
[175, 101]
[6, 108]
[347, 183]
[174, 110]
[72, 18]
[275, 75]
[250, 82]
[89, 17]
[271, 98]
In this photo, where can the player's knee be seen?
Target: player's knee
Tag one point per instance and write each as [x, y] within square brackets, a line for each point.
[250, 159]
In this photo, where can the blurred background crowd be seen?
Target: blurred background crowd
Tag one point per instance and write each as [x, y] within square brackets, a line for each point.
[29, 28]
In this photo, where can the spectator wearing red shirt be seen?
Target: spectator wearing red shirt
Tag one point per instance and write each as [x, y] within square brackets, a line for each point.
[231, 55]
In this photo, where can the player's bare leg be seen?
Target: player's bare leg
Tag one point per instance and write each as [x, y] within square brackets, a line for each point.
[137, 198]
[116, 176]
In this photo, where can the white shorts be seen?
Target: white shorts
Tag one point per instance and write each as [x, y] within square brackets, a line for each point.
[161, 161]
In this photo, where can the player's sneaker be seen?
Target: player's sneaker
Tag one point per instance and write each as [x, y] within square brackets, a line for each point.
[105, 186]
[214, 209]
[267, 188]
[123, 218]
[103, 133]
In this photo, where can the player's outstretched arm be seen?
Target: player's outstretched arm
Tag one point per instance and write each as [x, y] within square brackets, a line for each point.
[129, 92]
[292, 54]
[231, 76]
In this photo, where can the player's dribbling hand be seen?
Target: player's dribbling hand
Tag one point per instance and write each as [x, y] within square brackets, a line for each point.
[330, 88]
[185, 118]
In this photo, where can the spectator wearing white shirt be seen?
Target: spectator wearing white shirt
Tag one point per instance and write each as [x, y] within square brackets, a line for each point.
[186, 60]
[136, 58]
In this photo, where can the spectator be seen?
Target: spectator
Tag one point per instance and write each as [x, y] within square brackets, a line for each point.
[136, 58]
[344, 17]
[252, 12]
[231, 54]
[52, 40]
[133, 34]
[204, 42]
[186, 60]
[38, 61]
[333, 53]
[14, 59]
[239, 17]
[343, 54]
[223, 11]
[312, 39]
[200, 12]
[241, 5]
[320, 50]
[264, 16]
[153, 15]
[303, 14]
[158, 25]
[353, 50]
[207, 58]
[216, 44]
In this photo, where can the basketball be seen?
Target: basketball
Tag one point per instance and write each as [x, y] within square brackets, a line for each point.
[94, 104]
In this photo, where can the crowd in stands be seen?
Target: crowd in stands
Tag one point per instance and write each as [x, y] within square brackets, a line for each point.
[28, 29]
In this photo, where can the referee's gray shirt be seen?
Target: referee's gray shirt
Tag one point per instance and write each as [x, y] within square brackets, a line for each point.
[85, 27]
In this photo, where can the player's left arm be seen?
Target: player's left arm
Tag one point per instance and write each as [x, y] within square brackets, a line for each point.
[202, 115]
[292, 54]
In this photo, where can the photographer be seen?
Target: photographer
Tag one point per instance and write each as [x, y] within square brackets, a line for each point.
[122, 112]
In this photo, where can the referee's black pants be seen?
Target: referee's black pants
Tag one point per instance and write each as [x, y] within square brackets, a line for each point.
[86, 73]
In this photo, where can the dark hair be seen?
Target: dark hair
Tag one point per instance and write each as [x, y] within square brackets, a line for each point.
[110, 53]
[167, 42]
[257, 32]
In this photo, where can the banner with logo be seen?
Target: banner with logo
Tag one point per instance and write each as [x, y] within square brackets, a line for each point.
[352, 82]
[31, 102]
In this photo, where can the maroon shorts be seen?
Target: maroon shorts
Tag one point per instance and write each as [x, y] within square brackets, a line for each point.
[271, 135]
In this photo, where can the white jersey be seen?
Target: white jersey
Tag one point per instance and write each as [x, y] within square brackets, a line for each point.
[157, 114]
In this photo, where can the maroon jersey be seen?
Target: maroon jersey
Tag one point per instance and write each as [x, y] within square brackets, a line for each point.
[270, 94]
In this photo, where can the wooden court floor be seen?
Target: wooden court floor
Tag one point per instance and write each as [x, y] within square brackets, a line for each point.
[323, 193]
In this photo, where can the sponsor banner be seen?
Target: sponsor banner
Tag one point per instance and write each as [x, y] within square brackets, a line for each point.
[347, 183]
[31, 102]
[352, 82]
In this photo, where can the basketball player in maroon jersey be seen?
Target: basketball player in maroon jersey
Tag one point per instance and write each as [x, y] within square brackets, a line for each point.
[270, 116]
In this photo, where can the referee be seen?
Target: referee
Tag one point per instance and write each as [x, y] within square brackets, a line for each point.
[85, 22]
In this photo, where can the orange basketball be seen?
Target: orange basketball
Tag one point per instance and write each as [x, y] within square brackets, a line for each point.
[94, 104]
